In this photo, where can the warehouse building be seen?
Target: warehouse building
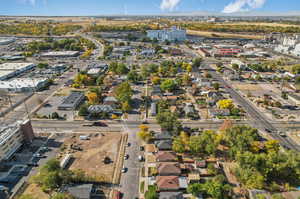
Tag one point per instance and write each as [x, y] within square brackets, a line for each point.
[8, 70]
[13, 136]
[5, 40]
[60, 54]
[72, 101]
[172, 34]
[23, 85]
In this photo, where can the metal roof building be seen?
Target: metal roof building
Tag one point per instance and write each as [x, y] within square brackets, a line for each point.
[72, 101]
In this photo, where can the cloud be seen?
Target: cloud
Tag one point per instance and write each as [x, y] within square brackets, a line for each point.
[243, 5]
[169, 5]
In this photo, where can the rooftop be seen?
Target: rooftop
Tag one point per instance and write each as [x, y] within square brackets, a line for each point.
[14, 66]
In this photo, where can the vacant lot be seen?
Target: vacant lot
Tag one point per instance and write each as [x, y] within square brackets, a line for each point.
[90, 159]
[223, 35]
[247, 87]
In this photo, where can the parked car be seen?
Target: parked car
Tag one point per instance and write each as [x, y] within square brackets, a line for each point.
[126, 157]
[124, 170]
[142, 148]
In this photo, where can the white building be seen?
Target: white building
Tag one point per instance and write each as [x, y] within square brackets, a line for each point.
[171, 34]
[241, 64]
[8, 70]
[23, 85]
[13, 136]
[60, 54]
[289, 45]
[6, 40]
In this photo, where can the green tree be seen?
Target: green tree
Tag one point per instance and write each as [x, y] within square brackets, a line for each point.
[151, 193]
[195, 188]
[126, 107]
[124, 92]
[168, 121]
[178, 145]
[168, 85]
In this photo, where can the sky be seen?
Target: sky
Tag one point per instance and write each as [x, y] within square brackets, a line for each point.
[140, 7]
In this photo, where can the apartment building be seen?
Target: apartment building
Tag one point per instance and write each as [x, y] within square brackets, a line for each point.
[12, 137]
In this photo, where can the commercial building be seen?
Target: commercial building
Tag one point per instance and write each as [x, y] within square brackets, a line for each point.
[23, 85]
[172, 34]
[5, 40]
[289, 45]
[8, 70]
[13, 136]
[60, 54]
[72, 101]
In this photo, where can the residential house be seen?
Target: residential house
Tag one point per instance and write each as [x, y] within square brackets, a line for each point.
[164, 135]
[166, 156]
[83, 191]
[171, 183]
[164, 145]
[218, 112]
[110, 100]
[167, 183]
[193, 177]
[153, 109]
[95, 109]
[189, 109]
[169, 169]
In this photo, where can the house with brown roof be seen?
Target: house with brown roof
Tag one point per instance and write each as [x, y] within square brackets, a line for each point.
[171, 183]
[169, 169]
[166, 156]
[167, 183]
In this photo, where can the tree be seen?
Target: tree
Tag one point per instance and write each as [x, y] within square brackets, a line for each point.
[151, 193]
[92, 97]
[133, 76]
[225, 104]
[168, 121]
[126, 107]
[55, 115]
[235, 67]
[216, 86]
[83, 110]
[178, 146]
[205, 143]
[195, 188]
[197, 62]
[144, 127]
[168, 85]
[124, 92]
[272, 145]
[155, 80]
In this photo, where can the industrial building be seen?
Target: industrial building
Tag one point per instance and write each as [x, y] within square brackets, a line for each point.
[13, 136]
[72, 101]
[5, 40]
[9, 70]
[23, 85]
[172, 34]
[60, 54]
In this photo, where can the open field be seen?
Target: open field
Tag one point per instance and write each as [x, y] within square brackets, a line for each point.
[259, 24]
[36, 192]
[247, 87]
[90, 159]
[223, 35]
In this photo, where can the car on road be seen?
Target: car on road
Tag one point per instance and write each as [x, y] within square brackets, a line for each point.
[141, 158]
[128, 144]
[268, 130]
[124, 170]
[145, 122]
[38, 155]
[117, 195]
[142, 148]
[126, 157]
[99, 124]
[32, 164]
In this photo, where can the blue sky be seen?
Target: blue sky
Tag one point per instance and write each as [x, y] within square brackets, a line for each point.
[106, 7]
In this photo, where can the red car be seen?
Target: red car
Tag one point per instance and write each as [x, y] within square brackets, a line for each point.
[117, 195]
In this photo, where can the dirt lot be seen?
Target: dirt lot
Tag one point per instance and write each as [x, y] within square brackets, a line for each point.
[90, 159]
[247, 87]
[224, 35]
